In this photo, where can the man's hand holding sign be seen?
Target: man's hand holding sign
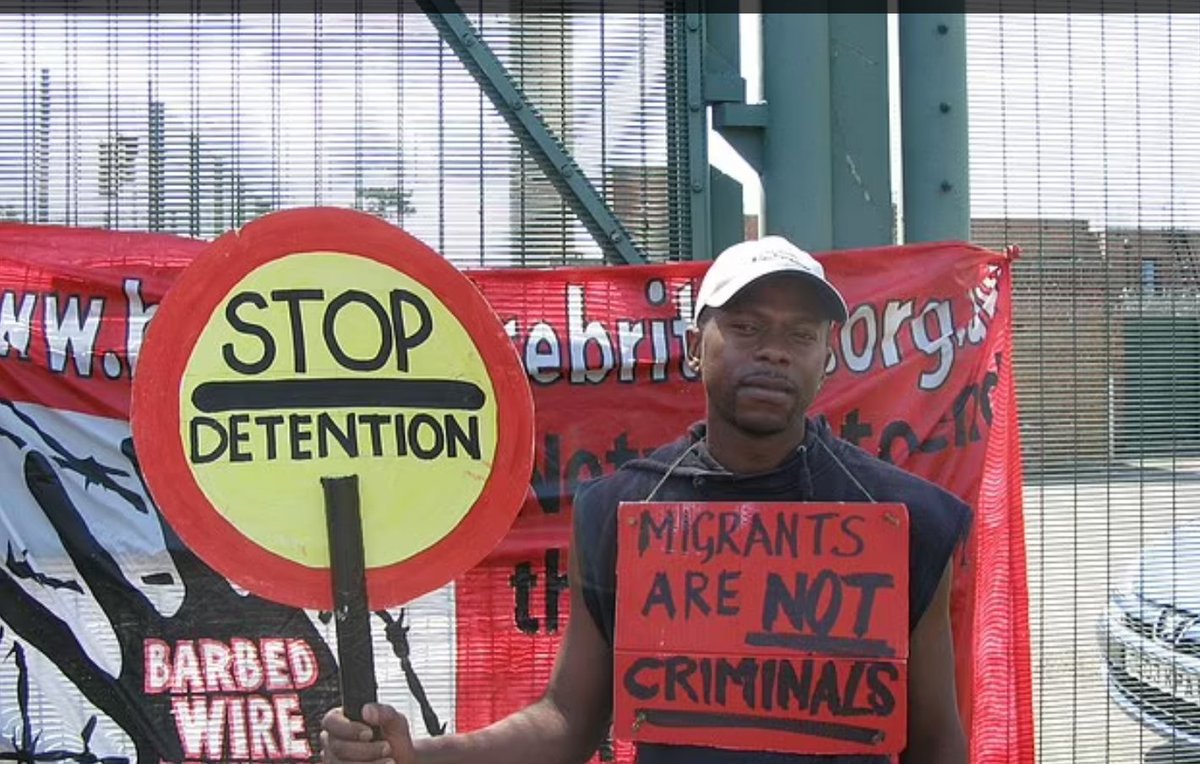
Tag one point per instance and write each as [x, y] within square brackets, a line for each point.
[331, 415]
[794, 589]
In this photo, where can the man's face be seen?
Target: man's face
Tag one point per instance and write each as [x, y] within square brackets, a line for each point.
[762, 356]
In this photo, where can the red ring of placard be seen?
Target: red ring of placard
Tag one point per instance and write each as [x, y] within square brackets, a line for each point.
[191, 303]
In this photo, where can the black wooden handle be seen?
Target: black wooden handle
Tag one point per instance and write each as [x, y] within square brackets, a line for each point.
[356, 655]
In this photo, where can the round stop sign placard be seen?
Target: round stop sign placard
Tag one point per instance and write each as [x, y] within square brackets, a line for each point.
[321, 343]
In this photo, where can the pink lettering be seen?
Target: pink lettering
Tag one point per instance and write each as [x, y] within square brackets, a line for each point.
[156, 674]
[303, 662]
[246, 668]
[290, 719]
[275, 666]
[263, 744]
[200, 727]
[187, 669]
[239, 743]
[217, 659]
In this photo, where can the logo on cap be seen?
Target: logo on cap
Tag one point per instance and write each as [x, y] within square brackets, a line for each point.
[744, 263]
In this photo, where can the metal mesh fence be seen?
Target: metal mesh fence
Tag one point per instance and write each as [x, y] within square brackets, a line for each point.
[197, 123]
[1085, 151]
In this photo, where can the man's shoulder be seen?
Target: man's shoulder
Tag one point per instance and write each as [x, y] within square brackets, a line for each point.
[888, 482]
[938, 520]
[620, 485]
[632, 481]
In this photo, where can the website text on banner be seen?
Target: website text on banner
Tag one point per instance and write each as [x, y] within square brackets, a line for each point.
[154, 646]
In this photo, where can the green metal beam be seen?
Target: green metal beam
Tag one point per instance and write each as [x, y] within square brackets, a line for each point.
[532, 132]
[820, 142]
[863, 215]
[796, 171]
[729, 214]
[724, 86]
[933, 124]
[739, 123]
[697, 136]
[723, 81]
[743, 125]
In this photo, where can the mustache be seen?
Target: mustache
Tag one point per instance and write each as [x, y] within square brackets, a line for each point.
[765, 378]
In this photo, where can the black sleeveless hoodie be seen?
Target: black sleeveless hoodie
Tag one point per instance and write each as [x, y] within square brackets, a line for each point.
[823, 468]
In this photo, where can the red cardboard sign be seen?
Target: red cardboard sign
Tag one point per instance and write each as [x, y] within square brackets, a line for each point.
[770, 626]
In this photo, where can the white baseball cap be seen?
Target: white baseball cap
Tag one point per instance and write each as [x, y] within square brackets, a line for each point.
[742, 264]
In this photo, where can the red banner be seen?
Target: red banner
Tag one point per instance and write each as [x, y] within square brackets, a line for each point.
[920, 376]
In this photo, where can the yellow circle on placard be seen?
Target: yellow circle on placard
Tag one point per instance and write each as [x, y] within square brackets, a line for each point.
[315, 365]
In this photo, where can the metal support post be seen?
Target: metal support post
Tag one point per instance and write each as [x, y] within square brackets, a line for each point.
[697, 137]
[933, 122]
[863, 215]
[728, 212]
[797, 181]
[723, 84]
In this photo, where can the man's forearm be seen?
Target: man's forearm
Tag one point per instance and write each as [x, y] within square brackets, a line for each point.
[540, 732]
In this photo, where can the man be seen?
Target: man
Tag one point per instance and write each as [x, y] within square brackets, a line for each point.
[761, 342]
